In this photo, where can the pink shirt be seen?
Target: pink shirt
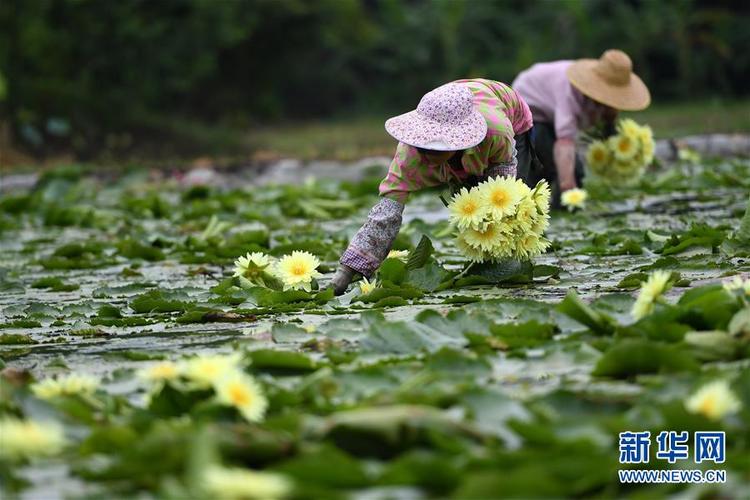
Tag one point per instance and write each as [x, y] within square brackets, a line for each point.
[551, 97]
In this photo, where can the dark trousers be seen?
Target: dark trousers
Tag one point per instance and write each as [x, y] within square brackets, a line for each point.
[538, 147]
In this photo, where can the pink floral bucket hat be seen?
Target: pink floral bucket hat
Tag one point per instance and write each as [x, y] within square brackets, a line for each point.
[445, 120]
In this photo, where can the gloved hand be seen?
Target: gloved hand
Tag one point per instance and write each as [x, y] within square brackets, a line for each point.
[342, 278]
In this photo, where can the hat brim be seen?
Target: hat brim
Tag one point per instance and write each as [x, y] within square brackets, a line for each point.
[415, 130]
[634, 96]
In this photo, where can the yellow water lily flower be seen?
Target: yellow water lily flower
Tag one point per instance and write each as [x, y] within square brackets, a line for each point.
[526, 215]
[629, 127]
[598, 156]
[530, 246]
[241, 391]
[737, 283]
[224, 483]
[626, 169]
[501, 195]
[484, 238]
[251, 265]
[206, 370]
[688, 155]
[541, 196]
[69, 385]
[646, 136]
[26, 439]
[366, 286]
[714, 400]
[467, 209]
[574, 198]
[297, 270]
[402, 255]
[540, 225]
[162, 371]
[653, 288]
[504, 249]
[624, 147]
[471, 253]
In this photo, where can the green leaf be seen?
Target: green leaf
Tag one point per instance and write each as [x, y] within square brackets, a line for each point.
[528, 334]
[504, 271]
[401, 337]
[639, 356]
[388, 290]
[546, 271]
[712, 345]
[428, 277]
[707, 308]
[418, 257]
[739, 326]
[159, 301]
[274, 359]
[393, 270]
[573, 307]
[132, 249]
[632, 281]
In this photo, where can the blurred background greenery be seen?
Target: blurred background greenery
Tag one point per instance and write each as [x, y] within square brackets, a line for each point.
[316, 78]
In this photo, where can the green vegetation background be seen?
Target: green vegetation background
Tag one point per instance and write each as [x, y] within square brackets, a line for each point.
[89, 75]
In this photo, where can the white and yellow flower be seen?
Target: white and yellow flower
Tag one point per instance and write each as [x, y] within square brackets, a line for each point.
[624, 147]
[242, 392]
[27, 439]
[574, 198]
[485, 238]
[629, 128]
[366, 286]
[541, 196]
[252, 265]
[714, 400]
[625, 169]
[651, 290]
[500, 195]
[467, 209]
[69, 385]
[737, 283]
[402, 255]
[471, 253]
[205, 371]
[540, 225]
[688, 155]
[531, 245]
[598, 156]
[646, 136]
[160, 372]
[224, 483]
[296, 271]
[526, 215]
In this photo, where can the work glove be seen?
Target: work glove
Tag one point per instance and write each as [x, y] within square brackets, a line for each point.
[341, 279]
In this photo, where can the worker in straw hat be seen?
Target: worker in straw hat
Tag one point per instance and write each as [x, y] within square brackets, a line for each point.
[566, 97]
[460, 134]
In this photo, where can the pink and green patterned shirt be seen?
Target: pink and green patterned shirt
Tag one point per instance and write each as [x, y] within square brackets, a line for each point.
[507, 115]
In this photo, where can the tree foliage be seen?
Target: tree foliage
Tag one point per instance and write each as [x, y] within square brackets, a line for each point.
[78, 68]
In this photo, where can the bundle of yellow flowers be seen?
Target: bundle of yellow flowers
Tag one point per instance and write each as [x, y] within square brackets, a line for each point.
[501, 218]
[624, 156]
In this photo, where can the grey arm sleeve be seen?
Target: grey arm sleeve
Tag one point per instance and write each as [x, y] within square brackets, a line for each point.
[371, 244]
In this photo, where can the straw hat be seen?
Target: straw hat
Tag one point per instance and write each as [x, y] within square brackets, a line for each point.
[610, 80]
[445, 120]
